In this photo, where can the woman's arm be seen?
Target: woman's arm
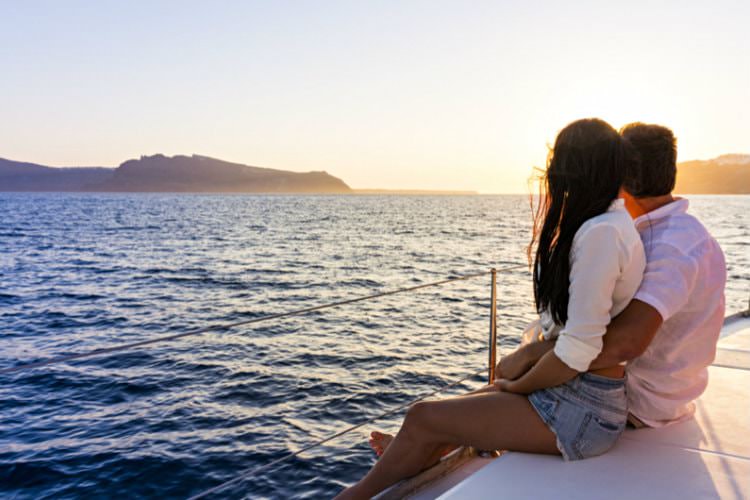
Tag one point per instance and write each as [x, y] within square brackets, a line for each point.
[549, 371]
[596, 265]
[522, 359]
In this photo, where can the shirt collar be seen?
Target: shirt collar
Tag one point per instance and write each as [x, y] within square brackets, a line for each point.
[617, 204]
[678, 206]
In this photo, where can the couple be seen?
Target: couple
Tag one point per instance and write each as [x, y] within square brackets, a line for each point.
[622, 273]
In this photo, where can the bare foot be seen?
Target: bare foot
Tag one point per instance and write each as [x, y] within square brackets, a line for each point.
[379, 442]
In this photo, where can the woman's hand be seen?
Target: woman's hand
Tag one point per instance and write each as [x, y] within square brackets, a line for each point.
[549, 371]
[513, 365]
[506, 385]
[517, 363]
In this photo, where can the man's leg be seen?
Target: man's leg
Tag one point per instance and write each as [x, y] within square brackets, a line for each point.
[489, 421]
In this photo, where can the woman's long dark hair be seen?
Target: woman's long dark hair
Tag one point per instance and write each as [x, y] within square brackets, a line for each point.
[585, 170]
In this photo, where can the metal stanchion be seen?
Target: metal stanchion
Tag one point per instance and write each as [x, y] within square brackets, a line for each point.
[492, 349]
[493, 328]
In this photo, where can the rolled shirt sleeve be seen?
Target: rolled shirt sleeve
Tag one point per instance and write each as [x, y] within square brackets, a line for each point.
[668, 280]
[595, 267]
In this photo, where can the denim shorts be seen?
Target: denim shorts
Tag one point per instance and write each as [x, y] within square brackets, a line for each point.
[587, 414]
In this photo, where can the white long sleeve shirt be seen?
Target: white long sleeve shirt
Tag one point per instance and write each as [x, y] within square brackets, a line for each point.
[606, 267]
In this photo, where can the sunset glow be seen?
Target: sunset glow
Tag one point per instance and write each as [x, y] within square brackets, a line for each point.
[431, 95]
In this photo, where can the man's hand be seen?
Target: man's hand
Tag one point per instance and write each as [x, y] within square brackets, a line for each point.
[515, 364]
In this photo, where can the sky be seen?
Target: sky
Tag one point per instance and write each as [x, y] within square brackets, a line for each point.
[459, 95]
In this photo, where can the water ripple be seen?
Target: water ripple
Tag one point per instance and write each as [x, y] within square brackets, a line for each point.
[80, 272]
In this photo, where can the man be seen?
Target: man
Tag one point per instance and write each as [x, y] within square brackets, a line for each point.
[669, 331]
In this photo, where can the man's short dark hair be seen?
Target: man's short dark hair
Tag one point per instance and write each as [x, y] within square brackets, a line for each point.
[655, 169]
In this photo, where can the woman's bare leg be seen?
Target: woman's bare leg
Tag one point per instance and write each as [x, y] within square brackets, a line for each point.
[489, 421]
[379, 441]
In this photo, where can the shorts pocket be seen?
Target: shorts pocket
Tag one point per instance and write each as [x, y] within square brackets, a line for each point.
[596, 436]
[545, 404]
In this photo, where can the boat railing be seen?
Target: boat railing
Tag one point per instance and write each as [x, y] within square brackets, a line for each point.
[229, 326]
[492, 358]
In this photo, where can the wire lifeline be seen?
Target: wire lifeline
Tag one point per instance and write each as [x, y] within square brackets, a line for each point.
[263, 468]
[166, 338]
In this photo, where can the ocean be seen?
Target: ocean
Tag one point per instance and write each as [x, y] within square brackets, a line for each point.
[79, 272]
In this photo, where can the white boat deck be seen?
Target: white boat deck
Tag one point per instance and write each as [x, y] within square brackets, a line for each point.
[705, 457]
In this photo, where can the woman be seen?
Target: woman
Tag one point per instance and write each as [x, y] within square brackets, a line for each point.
[588, 264]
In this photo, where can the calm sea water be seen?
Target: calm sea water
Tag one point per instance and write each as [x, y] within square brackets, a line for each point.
[84, 271]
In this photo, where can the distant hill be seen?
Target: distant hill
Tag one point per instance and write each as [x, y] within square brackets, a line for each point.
[408, 192]
[727, 174]
[159, 173]
[19, 176]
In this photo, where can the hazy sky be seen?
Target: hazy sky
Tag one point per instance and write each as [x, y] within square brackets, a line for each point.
[403, 94]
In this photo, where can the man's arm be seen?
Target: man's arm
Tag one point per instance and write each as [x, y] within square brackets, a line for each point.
[628, 335]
